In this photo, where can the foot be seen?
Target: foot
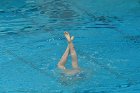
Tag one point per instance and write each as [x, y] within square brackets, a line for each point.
[67, 35]
[72, 38]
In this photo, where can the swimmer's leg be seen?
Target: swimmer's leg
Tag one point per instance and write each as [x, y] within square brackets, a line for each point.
[73, 55]
[72, 50]
[62, 62]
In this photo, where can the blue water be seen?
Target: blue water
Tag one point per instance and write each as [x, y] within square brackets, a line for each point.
[107, 41]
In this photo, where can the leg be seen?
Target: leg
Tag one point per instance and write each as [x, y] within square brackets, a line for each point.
[72, 50]
[74, 56]
[62, 62]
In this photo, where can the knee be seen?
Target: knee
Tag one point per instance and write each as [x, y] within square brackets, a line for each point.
[61, 66]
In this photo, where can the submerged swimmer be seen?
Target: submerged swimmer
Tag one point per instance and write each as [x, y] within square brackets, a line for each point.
[70, 50]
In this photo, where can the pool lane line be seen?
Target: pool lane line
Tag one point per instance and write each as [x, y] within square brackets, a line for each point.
[129, 82]
[28, 63]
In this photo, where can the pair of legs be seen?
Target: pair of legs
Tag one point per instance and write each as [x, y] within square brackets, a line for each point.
[70, 50]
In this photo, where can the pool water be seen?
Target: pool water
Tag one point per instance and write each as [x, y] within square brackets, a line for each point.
[107, 41]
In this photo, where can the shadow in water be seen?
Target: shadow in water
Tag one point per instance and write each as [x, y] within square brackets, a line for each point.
[58, 9]
[134, 38]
